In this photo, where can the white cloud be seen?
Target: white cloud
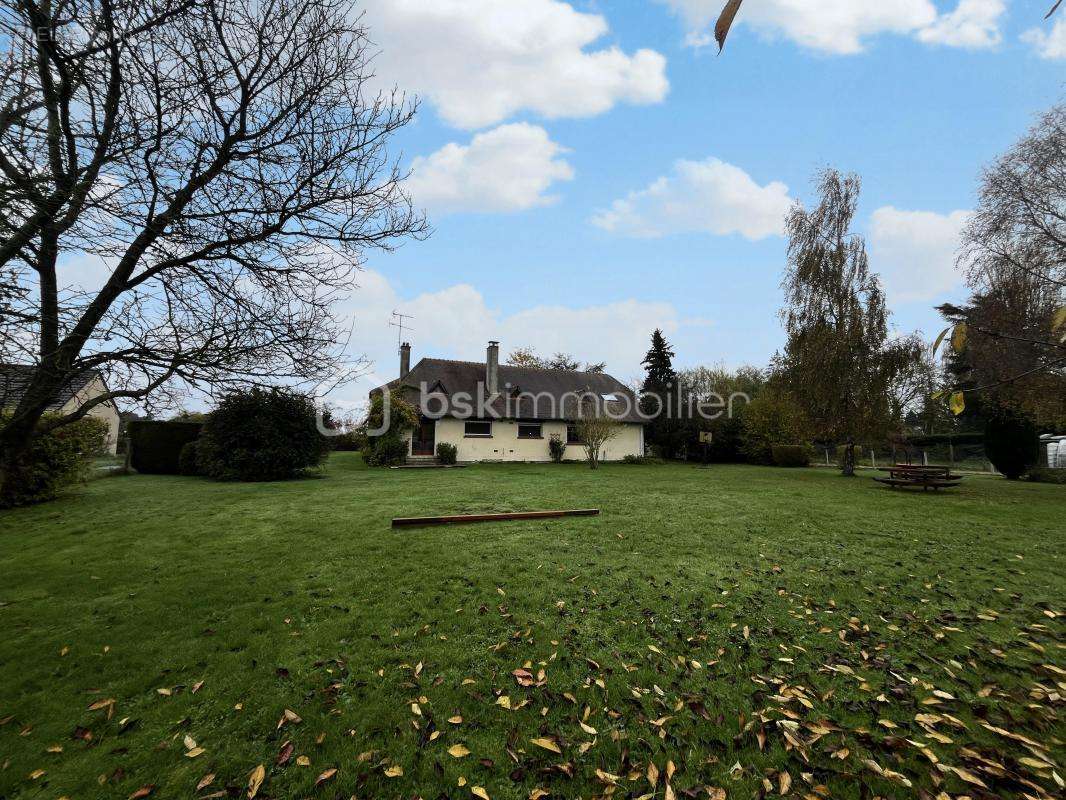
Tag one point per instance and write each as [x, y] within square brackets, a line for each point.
[1050, 46]
[509, 168]
[482, 61]
[915, 252]
[708, 196]
[457, 322]
[842, 27]
[973, 24]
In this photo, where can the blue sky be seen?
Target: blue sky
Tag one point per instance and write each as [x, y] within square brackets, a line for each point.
[544, 123]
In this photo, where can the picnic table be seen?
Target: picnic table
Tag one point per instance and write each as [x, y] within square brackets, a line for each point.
[925, 477]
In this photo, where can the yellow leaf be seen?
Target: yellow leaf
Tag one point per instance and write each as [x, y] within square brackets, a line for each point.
[958, 337]
[547, 744]
[255, 780]
[940, 339]
[458, 751]
[1058, 320]
[587, 728]
[478, 791]
[303, 761]
[196, 751]
[456, 720]
[395, 771]
[957, 404]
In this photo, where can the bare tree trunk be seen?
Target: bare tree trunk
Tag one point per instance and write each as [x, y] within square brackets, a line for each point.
[847, 469]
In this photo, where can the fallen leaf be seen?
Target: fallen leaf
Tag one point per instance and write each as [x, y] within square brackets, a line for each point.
[255, 780]
[325, 776]
[547, 744]
[458, 751]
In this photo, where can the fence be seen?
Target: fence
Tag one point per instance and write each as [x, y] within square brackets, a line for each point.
[968, 457]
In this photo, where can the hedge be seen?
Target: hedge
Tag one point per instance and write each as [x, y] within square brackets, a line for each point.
[156, 445]
[54, 460]
[791, 455]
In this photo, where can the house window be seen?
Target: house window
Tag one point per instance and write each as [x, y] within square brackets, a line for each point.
[478, 429]
[572, 436]
[529, 431]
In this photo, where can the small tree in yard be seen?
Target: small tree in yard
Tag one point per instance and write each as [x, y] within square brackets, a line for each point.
[595, 428]
[226, 164]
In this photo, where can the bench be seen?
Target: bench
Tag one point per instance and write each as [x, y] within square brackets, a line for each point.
[924, 477]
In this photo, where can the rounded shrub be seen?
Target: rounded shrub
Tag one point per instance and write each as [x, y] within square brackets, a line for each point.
[1012, 444]
[791, 455]
[189, 459]
[262, 435]
[447, 453]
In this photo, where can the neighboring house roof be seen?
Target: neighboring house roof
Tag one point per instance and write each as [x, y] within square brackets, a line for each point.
[15, 378]
[525, 393]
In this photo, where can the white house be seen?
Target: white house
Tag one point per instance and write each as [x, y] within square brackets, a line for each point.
[495, 412]
[84, 386]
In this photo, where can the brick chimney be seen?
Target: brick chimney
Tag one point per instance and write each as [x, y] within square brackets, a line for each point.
[405, 359]
[492, 368]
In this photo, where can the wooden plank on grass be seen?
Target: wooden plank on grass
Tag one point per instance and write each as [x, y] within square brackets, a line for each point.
[462, 519]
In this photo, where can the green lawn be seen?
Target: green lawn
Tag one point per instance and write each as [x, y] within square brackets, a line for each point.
[738, 627]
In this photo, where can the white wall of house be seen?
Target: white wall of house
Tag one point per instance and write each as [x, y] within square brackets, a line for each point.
[504, 444]
[105, 411]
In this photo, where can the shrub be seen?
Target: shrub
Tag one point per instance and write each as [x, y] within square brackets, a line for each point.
[262, 435]
[643, 461]
[389, 449]
[791, 455]
[156, 446]
[1045, 475]
[770, 418]
[386, 451]
[55, 459]
[447, 453]
[189, 460]
[1012, 444]
[556, 448]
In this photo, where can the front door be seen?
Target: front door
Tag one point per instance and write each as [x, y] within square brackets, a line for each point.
[423, 438]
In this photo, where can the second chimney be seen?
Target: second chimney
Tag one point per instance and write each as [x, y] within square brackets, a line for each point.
[492, 368]
[405, 359]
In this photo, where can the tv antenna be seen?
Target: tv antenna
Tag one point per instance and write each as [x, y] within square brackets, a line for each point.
[398, 323]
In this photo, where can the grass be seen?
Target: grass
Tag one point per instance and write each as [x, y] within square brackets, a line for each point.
[735, 627]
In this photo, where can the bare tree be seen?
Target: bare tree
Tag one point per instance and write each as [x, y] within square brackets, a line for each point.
[595, 428]
[226, 160]
[528, 357]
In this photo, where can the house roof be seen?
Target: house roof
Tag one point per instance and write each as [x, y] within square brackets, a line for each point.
[15, 378]
[524, 392]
